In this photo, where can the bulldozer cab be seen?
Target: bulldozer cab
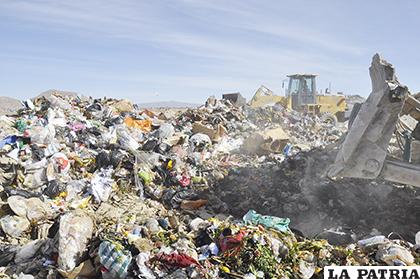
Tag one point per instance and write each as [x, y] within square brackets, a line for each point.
[301, 90]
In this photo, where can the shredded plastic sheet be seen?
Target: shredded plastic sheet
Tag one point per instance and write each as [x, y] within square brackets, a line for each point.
[280, 224]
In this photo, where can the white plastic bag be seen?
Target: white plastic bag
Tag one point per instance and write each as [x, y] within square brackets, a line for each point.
[101, 184]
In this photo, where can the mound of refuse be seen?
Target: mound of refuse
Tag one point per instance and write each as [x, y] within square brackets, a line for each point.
[99, 188]
[297, 188]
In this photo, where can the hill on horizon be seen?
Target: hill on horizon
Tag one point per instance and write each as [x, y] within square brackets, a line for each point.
[56, 91]
[9, 105]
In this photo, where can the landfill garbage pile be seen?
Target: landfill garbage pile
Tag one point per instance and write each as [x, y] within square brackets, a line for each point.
[297, 188]
[305, 131]
[96, 188]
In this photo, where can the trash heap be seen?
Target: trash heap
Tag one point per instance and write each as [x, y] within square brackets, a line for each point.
[305, 131]
[96, 188]
[297, 188]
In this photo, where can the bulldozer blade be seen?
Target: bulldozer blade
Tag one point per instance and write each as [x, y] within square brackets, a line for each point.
[364, 149]
[401, 172]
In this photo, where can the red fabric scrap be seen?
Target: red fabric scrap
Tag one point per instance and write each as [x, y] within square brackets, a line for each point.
[184, 181]
[231, 241]
[176, 260]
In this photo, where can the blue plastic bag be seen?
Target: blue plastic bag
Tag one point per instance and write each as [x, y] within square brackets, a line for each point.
[8, 140]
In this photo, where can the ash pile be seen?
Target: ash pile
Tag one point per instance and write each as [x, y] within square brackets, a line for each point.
[298, 188]
[98, 188]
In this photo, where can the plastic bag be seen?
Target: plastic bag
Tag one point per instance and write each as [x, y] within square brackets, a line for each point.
[76, 127]
[33, 208]
[21, 125]
[76, 229]
[114, 258]
[7, 254]
[287, 151]
[146, 176]
[209, 250]
[54, 188]
[101, 184]
[145, 271]
[42, 135]
[277, 223]
[144, 162]
[8, 140]
[61, 162]
[35, 174]
[199, 141]
[126, 141]
[372, 241]
[165, 131]
[14, 226]
[106, 159]
[25, 276]
[393, 254]
[29, 250]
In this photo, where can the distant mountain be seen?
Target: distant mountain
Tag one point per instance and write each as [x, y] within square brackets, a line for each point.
[167, 104]
[9, 105]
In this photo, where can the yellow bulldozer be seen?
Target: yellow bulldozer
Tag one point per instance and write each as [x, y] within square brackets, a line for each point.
[301, 95]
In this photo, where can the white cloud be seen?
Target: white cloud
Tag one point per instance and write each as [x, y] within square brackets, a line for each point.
[221, 33]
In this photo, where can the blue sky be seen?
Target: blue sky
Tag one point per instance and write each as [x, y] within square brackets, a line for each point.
[186, 50]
